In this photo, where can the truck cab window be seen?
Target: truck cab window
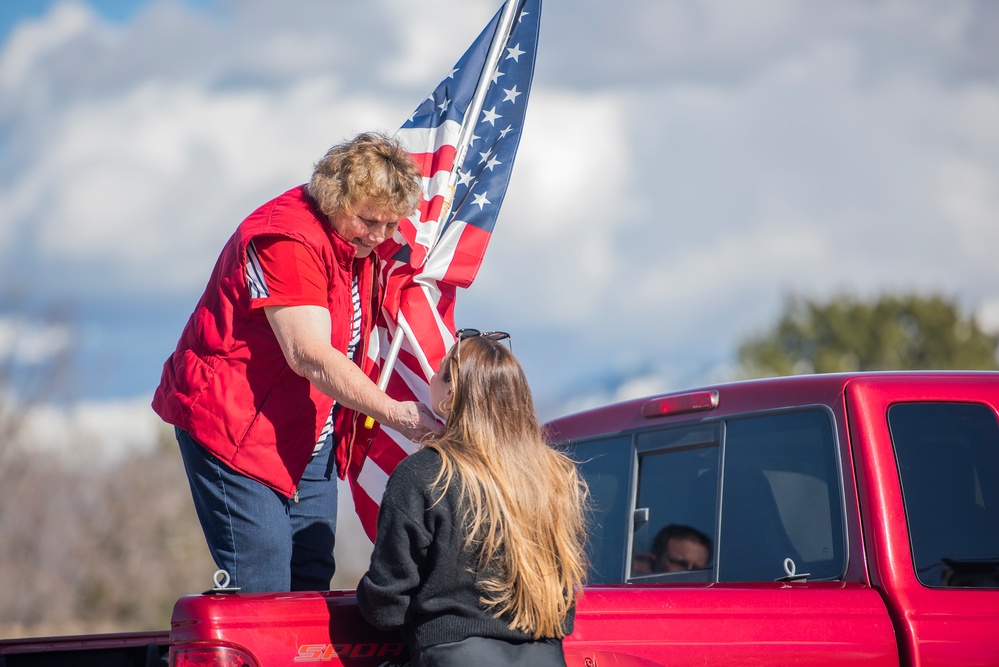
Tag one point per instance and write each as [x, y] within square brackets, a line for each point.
[606, 466]
[733, 501]
[673, 529]
[781, 499]
[948, 462]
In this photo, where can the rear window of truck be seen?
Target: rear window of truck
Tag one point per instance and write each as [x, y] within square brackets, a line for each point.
[948, 463]
[746, 499]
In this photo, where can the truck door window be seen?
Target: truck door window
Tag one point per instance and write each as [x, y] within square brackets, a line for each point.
[948, 462]
[781, 498]
[606, 466]
[673, 528]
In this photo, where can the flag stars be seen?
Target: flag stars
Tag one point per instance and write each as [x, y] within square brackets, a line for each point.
[511, 94]
[490, 116]
[480, 200]
[497, 74]
[508, 130]
[443, 106]
[464, 177]
[515, 53]
[490, 161]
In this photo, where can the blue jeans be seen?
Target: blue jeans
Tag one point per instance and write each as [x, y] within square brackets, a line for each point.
[266, 542]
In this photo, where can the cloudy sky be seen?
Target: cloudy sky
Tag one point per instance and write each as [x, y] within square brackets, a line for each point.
[685, 165]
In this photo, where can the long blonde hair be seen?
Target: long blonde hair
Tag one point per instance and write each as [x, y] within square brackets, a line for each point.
[522, 501]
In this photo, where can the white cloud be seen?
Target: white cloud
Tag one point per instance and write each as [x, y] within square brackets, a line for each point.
[160, 173]
[969, 200]
[968, 186]
[93, 432]
[979, 108]
[35, 40]
[428, 44]
[563, 209]
[23, 341]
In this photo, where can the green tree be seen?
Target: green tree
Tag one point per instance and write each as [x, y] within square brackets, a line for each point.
[907, 332]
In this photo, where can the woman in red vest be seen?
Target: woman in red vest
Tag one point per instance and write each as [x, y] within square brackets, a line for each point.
[272, 364]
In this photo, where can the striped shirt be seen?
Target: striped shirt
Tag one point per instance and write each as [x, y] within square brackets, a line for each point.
[355, 340]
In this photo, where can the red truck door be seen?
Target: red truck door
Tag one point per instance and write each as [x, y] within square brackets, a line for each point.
[761, 579]
[927, 455]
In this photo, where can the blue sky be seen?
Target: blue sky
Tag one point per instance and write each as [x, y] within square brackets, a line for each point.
[684, 167]
[15, 12]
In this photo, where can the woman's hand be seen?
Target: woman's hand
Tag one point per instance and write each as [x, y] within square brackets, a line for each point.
[416, 421]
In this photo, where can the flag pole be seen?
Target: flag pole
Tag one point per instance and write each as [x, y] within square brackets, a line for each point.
[464, 141]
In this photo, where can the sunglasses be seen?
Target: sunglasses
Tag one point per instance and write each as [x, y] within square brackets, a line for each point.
[462, 334]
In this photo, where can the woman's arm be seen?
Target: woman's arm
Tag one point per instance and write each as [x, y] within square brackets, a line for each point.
[303, 333]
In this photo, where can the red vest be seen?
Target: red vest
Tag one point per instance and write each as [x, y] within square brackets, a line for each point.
[228, 384]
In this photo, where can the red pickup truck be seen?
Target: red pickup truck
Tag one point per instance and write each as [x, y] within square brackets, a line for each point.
[838, 520]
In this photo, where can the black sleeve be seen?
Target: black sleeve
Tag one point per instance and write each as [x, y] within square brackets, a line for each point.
[386, 591]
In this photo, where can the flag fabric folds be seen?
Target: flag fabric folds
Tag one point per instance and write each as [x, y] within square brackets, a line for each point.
[440, 248]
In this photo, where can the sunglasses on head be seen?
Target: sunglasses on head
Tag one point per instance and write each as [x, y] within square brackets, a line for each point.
[462, 334]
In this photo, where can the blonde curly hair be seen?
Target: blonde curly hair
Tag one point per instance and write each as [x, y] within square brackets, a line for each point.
[371, 167]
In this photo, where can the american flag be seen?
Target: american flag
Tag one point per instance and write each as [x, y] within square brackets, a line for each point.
[440, 249]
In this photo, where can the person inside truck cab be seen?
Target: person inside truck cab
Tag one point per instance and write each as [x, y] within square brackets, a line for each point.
[675, 548]
[679, 548]
[478, 558]
[269, 374]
